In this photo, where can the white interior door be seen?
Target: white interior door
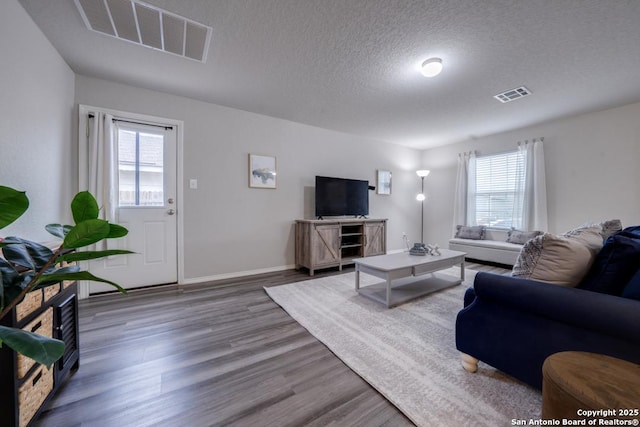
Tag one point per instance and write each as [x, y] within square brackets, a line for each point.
[147, 160]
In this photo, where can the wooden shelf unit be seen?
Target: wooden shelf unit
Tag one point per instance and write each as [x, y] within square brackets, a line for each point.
[325, 243]
[26, 386]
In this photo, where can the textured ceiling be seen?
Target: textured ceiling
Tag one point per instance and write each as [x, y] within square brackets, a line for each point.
[352, 65]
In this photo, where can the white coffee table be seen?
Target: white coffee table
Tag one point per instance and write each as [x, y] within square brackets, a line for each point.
[407, 276]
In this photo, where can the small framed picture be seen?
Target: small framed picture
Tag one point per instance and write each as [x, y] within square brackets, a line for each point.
[262, 171]
[384, 182]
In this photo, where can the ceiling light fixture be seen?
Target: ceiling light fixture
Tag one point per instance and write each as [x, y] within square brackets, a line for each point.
[431, 67]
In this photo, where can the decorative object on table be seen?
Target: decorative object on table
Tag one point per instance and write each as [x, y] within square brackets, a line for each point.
[262, 171]
[422, 249]
[384, 182]
[418, 249]
[405, 239]
[420, 197]
[434, 250]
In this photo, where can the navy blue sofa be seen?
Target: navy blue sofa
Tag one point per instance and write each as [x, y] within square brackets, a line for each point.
[514, 324]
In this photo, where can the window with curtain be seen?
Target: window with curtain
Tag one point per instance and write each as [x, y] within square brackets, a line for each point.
[502, 190]
[498, 195]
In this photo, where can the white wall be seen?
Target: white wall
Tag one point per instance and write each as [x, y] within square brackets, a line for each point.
[37, 92]
[231, 228]
[591, 165]
[591, 160]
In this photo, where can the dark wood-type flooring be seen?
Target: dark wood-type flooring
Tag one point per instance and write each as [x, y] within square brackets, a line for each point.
[211, 354]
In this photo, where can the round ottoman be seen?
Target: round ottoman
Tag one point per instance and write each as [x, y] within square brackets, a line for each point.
[574, 382]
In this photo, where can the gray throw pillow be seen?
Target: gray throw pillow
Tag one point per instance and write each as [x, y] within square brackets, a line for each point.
[520, 237]
[474, 233]
[610, 227]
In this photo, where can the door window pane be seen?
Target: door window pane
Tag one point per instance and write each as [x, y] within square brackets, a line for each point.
[141, 171]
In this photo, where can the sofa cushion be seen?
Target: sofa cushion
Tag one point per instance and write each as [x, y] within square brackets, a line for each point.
[614, 265]
[633, 232]
[520, 237]
[632, 289]
[475, 232]
[492, 244]
[553, 259]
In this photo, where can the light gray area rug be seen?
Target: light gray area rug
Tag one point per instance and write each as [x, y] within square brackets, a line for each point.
[408, 352]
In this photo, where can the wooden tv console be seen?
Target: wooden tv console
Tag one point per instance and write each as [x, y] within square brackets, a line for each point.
[323, 243]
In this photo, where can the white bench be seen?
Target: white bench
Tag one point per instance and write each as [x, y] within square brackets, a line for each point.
[493, 248]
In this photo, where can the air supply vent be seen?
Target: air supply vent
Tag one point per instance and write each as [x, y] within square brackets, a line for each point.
[513, 94]
[148, 26]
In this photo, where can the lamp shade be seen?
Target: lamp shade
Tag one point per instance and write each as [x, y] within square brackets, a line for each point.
[420, 197]
[422, 173]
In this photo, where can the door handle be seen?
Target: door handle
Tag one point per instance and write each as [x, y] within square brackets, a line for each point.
[171, 212]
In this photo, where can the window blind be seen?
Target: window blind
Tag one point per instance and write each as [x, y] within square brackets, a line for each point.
[499, 190]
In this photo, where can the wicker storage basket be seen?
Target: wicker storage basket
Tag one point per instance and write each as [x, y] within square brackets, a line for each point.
[31, 302]
[51, 291]
[41, 325]
[67, 283]
[33, 393]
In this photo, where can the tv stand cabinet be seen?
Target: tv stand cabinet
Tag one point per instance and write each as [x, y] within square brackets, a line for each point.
[324, 243]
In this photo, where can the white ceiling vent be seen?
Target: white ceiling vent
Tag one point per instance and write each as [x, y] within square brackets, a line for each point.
[513, 94]
[147, 25]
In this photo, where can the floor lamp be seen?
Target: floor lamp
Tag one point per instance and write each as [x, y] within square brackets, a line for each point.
[420, 197]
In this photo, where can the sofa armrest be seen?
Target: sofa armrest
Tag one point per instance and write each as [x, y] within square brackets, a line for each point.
[607, 314]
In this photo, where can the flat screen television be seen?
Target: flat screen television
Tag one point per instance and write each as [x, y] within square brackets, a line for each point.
[341, 197]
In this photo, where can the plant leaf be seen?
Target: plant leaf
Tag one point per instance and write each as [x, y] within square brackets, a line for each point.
[87, 255]
[80, 275]
[43, 283]
[116, 231]
[86, 233]
[9, 273]
[13, 204]
[12, 282]
[58, 230]
[22, 251]
[41, 349]
[84, 207]
[18, 254]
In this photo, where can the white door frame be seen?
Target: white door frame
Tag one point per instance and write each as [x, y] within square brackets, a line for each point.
[83, 178]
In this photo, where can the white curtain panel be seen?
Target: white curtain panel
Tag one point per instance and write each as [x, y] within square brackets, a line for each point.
[518, 220]
[471, 189]
[535, 200]
[461, 196]
[103, 165]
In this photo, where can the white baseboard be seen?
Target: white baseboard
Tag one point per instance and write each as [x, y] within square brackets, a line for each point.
[233, 275]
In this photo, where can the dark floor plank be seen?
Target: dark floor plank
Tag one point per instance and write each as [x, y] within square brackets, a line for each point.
[219, 353]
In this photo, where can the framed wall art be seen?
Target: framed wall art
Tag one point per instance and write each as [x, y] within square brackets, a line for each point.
[384, 182]
[262, 171]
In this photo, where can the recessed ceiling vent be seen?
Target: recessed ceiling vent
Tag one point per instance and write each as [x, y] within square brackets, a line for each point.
[148, 26]
[513, 94]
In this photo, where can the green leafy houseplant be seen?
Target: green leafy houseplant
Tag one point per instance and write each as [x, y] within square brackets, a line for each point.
[26, 266]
